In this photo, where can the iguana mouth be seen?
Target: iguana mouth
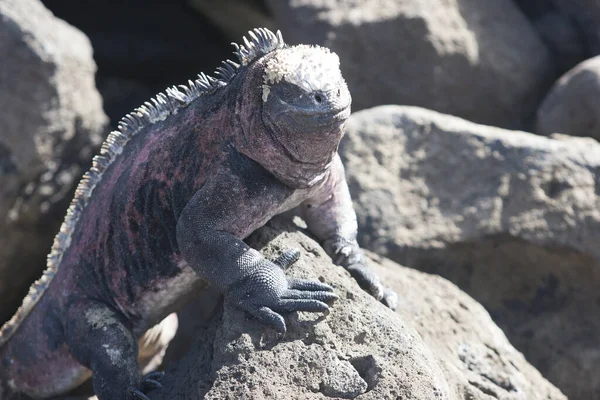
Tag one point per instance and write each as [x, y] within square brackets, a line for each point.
[336, 119]
[317, 125]
[319, 118]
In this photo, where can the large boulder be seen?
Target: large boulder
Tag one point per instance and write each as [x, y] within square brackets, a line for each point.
[480, 60]
[572, 107]
[360, 350]
[440, 345]
[510, 217]
[52, 120]
[477, 359]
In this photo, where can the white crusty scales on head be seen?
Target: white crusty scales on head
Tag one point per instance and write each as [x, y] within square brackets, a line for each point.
[164, 209]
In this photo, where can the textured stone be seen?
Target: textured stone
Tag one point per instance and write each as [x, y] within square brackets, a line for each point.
[475, 355]
[510, 217]
[361, 349]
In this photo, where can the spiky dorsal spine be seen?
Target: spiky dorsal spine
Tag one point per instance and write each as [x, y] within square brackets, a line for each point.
[262, 41]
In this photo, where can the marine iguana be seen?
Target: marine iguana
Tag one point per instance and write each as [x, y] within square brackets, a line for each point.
[164, 210]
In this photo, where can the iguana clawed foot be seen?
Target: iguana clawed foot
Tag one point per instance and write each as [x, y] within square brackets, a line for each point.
[349, 255]
[149, 382]
[268, 292]
[288, 258]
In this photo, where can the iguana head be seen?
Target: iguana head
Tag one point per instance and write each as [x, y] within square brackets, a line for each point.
[304, 102]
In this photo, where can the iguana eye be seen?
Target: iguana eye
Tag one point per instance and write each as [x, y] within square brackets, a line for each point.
[287, 91]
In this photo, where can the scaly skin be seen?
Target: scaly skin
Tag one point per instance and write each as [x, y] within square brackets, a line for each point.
[169, 215]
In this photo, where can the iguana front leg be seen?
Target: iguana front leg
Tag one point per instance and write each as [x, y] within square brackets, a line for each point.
[209, 233]
[330, 216]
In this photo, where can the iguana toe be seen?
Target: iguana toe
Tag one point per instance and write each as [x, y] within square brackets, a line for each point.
[268, 317]
[309, 305]
[305, 284]
[390, 298]
[367, 279]
[316, 295]
[288, 258]
[152, 380]
[149, 381]
[136, 394]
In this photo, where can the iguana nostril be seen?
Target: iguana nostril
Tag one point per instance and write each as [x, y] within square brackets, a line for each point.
[318, 98]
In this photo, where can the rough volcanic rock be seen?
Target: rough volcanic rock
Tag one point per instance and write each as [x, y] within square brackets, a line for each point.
[51, 118]
[475, 355]
[361, 349]
[481, 60]
[572, 107]
[512, 218]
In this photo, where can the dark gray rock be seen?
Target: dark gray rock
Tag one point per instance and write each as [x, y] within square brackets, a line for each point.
[559, 31]
[144, 46]
[586, 13]
[52, 121]
[479, 60]
[235, 18]
[512, 218]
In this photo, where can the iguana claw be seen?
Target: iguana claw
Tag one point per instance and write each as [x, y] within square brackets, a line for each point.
[348, 254]
[149, 381]
[268, 292]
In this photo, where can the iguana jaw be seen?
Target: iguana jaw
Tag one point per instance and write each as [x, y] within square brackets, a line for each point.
[294, 133]
[320, 122]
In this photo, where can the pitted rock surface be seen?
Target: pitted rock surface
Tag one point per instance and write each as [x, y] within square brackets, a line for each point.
[360, 350]
[512, 218]
[475, 355]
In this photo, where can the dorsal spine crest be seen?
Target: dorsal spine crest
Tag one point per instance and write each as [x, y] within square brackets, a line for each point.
[262, 41]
